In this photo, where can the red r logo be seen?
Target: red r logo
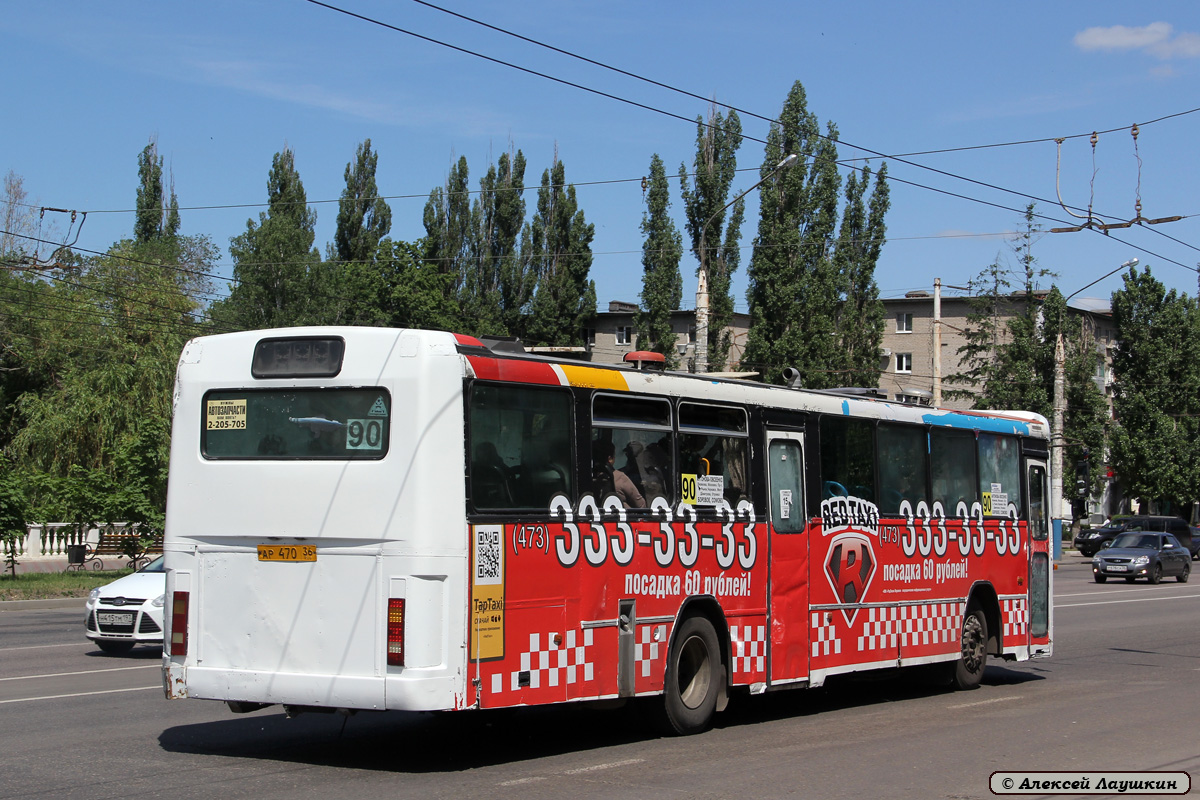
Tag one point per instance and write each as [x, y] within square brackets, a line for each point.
[849, 568]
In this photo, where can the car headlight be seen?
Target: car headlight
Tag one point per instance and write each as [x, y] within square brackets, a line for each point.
[94, 595]
[1141, 561]
[159, 601]
[1096, 561]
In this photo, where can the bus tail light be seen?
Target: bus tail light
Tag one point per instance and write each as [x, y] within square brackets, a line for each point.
[179, 617]
[395, 632]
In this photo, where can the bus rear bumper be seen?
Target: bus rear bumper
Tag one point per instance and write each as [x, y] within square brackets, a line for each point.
[412, 692]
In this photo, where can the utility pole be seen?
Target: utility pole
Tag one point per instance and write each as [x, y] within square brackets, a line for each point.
[937, 342]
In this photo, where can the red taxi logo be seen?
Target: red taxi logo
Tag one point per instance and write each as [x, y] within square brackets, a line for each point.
[850, 567]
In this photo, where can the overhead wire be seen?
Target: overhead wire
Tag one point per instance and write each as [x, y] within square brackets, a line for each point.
[617, 98]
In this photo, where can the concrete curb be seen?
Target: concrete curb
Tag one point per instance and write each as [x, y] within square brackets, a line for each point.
[55, 602]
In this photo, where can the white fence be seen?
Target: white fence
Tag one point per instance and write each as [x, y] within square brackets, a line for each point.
[50, 540]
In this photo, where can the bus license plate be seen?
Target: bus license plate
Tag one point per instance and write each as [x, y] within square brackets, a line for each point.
[1117, 568]
[106, 618]
[287, 552]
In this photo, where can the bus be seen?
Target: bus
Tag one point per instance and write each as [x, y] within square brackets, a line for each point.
[370, 519]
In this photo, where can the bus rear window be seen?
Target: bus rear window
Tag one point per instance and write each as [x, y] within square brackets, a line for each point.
[296, 424]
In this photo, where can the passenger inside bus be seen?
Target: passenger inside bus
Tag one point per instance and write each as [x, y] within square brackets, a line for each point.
[607, 480]
[490, 478]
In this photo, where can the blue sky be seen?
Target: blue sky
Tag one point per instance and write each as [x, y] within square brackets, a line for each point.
[223, 86]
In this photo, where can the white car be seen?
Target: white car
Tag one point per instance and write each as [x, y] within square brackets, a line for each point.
[129, 610]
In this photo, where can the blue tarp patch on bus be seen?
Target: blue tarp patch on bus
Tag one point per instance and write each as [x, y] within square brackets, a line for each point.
[972, 422]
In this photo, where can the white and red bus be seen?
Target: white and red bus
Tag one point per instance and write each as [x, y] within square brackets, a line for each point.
[364, 518]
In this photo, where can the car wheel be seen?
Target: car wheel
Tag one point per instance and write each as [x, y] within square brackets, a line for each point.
[1183, 576]
[1101, 578]
[114, 647]
[1156, 574]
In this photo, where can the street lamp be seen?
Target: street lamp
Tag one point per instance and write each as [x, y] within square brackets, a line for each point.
[1133, 262]
[701, 361]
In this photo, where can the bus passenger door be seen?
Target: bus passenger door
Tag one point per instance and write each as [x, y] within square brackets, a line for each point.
[788, 597]
[1041, 570]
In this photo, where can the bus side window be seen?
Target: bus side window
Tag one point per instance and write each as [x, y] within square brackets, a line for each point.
[1000, 471]
[520, 446]
[952, 454]
[903, 466]
[712, 444]
[847, 457]
[638, 432]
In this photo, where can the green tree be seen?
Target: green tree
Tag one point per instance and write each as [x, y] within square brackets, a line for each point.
[1156, 437]
[13, 512]
[560, 250]
[279, 279]
[662, 285]
[1009, 362]
[860, 241]
[157, 217]
[363, 216]
[714, 243]
[449, 229]
[499, 282]
[794, 285]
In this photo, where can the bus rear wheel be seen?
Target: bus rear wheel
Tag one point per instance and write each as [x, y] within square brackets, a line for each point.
[972, 658]
[693, 677]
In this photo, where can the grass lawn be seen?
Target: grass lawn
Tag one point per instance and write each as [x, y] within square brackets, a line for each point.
[46, 585]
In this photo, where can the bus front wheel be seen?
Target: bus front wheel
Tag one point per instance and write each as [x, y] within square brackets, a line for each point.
[693, 677]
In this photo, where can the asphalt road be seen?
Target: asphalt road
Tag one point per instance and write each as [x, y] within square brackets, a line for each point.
[1120, 694]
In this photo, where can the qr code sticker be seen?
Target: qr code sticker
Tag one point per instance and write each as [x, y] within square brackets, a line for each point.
[488, 554]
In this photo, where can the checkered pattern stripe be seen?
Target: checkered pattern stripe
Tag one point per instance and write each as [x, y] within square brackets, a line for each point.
[824, 636]
[1016, 616]
[910, 626]
[651, 639]
[552, 663]
[749, 648]
[881, 630]
[932, 623]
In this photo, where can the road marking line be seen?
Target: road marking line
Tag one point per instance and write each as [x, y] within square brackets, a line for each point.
[577, 771]
[41, 646]
[81, 694]
[609, 765]
[520, 781]
[84, 672]
[987, 702]
[1136, 600]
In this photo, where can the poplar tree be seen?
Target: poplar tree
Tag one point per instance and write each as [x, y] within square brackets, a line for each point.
[363, 217]
[560, 252]
[449, 229]
[714, 168]
[662, 284]
[860, 240]
[794, 286]
[157, 217]
[499, 284]
[278, 275]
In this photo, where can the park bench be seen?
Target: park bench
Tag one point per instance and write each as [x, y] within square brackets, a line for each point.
[112, 543]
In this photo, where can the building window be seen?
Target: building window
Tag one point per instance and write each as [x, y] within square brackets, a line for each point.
[904, 323]
[903, 362]
[624, 334]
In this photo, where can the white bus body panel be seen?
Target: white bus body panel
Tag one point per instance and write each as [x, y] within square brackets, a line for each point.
[314, 633]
